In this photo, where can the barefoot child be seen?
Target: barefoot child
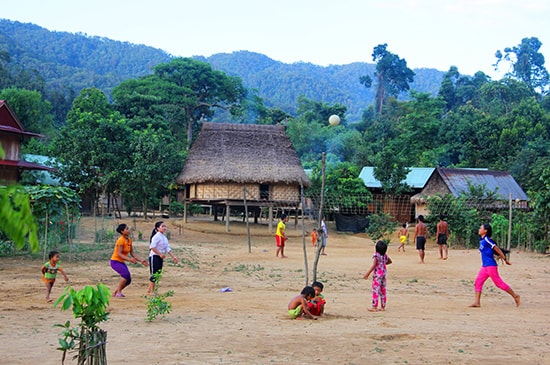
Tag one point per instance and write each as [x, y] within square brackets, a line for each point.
[49, 273]
[297, 308]
[489, 266]
[314, 237]
[378, 270]
[280, 236]
[317, 304]
[403, 237]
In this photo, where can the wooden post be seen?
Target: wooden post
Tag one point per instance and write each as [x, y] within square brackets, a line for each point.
[227, 215]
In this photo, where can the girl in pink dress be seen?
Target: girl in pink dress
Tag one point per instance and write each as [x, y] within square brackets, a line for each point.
[378, 270]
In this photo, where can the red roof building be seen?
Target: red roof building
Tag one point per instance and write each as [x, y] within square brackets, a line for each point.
[11, 135]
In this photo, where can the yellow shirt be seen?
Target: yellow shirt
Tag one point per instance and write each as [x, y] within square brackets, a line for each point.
[281, 229]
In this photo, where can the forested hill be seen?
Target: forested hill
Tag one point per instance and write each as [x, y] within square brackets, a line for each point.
[76, 61]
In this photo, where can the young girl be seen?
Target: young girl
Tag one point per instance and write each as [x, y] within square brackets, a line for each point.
[378, 268]
[159, 248]
[489, 266]
[49, 273]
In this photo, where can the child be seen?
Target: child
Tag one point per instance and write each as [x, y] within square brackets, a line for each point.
[314, 237]
[49, 272]
[489, 266]
[280, 236]
[317, 304]
[297, 308]
[403, 237]
[378, 268]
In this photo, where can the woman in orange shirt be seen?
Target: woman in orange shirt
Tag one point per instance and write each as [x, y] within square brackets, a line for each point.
[124, 251]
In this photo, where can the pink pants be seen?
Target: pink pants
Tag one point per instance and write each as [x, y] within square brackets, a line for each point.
[489, 272]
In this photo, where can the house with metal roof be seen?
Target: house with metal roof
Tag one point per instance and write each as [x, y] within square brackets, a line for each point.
[457, 181]
[399, 207]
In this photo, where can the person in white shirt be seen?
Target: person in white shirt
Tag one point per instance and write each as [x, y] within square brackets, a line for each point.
[158, 249]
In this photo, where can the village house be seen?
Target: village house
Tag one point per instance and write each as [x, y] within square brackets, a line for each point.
[237, 166]
[445, 181]
[11, 136]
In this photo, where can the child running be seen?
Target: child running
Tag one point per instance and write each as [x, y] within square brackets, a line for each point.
[297, 308]
[378, 270]
[49, 272]
[489, 266]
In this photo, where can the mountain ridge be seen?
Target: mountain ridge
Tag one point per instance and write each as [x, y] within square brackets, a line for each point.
[77, 61]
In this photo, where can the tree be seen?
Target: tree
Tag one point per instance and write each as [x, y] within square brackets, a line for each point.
[392, 75]
[527, 63]
[31, 109]
[91, 150]
[153, 163]
[200, 90]
[18, 222]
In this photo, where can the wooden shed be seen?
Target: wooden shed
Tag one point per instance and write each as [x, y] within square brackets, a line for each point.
[11, 135]
[237, 165]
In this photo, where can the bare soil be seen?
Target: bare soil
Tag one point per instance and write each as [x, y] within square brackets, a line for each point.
[427, 320]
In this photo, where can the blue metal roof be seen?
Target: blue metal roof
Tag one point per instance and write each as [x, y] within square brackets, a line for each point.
[416, 178]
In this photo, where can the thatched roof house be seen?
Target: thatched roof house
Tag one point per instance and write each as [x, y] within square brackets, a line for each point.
[226, 158]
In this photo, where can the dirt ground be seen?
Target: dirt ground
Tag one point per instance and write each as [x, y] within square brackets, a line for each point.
[427, 320]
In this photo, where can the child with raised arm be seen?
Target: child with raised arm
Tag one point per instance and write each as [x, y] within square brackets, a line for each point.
[297, 308]
[378, 270]
[49, 272]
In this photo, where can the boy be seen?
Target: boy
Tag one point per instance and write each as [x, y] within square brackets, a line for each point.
[49, 273]
[280, 236]
[317, 305]
[403, 237]
[297, 308]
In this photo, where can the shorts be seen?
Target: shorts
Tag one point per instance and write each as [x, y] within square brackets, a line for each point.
[280, 241]
[295, 313]
[420, 243]
[155, 266]
[50, 281]
[122, 270]
[402, 239]
[441, 239]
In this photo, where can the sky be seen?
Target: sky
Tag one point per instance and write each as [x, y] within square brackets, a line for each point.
[426, 33]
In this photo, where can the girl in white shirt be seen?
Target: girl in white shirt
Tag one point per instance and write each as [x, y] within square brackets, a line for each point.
[158, 249]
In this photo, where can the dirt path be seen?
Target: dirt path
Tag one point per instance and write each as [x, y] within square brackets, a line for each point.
[427, 319]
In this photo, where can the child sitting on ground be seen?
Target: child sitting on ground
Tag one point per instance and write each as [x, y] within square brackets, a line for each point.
[297, 308]
[317, 304]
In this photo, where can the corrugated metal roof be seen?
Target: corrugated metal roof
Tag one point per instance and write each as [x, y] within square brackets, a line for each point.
[416, 178]
[497, 181]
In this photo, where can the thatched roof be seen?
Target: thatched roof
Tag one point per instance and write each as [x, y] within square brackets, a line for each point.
[242, 153]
